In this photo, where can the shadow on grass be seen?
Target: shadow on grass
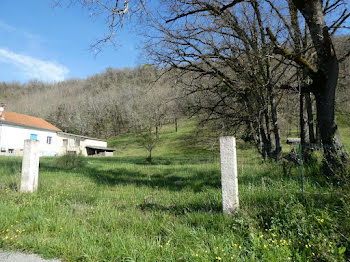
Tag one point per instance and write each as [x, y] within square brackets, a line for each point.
[182, 209]
[168, 160]
[188, 174]
[192, 178]
[166, 177]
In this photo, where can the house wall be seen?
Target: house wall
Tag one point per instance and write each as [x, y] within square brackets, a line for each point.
[12, 137]
[72, 144]
[76, 144]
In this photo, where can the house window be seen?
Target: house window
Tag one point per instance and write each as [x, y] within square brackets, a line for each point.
[11, 151]
[33, 137]
[49, 140]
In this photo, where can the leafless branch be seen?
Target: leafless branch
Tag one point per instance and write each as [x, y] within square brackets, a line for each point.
[205, 9]
[291, 56]
[339, 21]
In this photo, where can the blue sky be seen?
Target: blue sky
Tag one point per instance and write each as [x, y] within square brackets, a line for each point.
[52, 44]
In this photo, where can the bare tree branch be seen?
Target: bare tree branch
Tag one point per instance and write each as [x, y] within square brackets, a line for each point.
[205, 9]
[291, 56]
[339, 21]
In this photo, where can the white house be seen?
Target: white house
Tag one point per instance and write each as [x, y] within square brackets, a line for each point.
[15, 128]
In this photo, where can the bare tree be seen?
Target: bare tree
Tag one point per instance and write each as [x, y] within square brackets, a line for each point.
[324, 74]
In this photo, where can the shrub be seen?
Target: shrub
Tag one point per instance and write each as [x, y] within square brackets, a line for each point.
[70, 161]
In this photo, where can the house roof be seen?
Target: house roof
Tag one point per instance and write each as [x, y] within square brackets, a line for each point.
[85, 137]
[25, 120]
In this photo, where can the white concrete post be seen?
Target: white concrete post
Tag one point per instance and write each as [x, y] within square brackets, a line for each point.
[30, 166]
[229, 180]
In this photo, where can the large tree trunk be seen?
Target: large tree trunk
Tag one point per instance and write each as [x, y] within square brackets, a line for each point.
[335, 155]
[325, 84]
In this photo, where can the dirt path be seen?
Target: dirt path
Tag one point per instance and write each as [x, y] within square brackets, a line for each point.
[21, 257]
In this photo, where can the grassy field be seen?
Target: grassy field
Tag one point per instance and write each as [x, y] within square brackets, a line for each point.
[124, 209]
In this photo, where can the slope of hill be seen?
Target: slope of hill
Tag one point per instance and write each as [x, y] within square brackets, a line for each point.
[125, 209]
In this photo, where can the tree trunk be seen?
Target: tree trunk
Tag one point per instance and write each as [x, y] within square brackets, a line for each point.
[265, 142]
[318, 135]
[303, 126]
[265, 69]
[175, 124]
[335, 155]
[310, 118]
[157, 132]
[325, 84]
[256, 136]
[149, 159]
[266, 137]
[276, 130]
[304, 130]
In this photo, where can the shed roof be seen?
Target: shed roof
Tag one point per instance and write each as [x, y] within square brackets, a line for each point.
[25, 120]
[101, 148]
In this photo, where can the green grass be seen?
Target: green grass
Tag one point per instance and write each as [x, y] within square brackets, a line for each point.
[123, 209]
[184, 143]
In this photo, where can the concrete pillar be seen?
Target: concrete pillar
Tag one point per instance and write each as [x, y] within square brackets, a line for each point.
[229, 180]
[30, 166]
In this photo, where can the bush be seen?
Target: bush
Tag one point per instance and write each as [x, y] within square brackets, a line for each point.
[70, 161]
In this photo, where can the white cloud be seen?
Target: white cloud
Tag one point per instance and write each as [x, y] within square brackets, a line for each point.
[6, 27]
[34, 68]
